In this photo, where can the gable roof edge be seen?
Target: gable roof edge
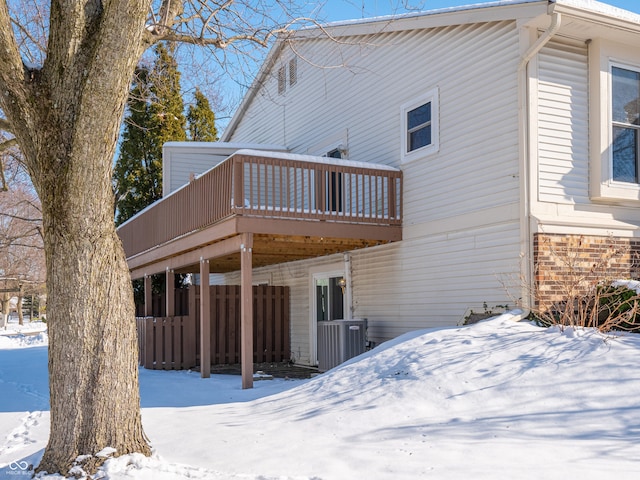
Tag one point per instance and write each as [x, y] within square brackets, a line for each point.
[248, 97]
[428, 19]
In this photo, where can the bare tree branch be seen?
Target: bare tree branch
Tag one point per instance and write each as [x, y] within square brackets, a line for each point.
[6, 145]
[15, 79]
[217, 42]
[5, 125]
[27, 34]
[23, 219]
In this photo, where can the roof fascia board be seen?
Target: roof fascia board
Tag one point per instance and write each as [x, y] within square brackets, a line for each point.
[603, 18]
[482, 14]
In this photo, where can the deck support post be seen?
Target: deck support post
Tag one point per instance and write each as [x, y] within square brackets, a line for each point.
[170, 293]
[246, 310]
[148, 297]
[205, 320]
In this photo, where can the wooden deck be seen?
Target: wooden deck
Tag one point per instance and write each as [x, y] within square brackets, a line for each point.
[294, 208]
[256, 209]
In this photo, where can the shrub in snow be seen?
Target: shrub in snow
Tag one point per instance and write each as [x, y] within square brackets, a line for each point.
[575, 284]
[607, 307]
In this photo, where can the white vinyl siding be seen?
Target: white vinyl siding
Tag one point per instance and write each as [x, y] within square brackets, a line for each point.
[432, 281]
[462, 234]
[476, 166]
[189, 163]
[563, 128]
[570, 138]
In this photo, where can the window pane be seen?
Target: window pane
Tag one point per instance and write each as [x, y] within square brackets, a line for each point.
[420, 138]
[335, 153]
[626, 90]
[419, 116]
[625, 154]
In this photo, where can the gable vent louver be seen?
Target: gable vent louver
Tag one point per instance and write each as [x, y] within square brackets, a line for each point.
[293, 71]
[282, 80]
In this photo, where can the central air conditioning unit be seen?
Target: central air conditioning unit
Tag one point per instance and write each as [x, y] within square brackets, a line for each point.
[340, 340]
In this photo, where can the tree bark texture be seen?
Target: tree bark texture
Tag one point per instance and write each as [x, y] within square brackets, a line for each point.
[19, 309]
[4, 309]
[66, 118]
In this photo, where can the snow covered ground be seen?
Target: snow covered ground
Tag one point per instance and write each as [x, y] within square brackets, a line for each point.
[496, 400]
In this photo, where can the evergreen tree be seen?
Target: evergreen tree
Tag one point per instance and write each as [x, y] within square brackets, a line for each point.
[155, 116]
[135, 171]
[201, 120]
[167, 107]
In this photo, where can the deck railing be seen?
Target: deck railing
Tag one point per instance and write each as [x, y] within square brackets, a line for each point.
[270, 187]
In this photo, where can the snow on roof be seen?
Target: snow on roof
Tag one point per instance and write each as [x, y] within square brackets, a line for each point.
[225, 145]
[602, 8]
[590, 5]
[460, 8]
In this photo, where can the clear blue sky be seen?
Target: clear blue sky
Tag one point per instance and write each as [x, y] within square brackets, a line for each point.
[332, 10]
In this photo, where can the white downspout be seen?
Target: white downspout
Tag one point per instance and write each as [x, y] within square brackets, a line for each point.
[525, 145]
[554, 26]
[348, 300]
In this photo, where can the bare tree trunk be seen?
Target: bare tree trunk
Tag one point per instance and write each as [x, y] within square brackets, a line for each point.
[4, 310]
[93, 371]
[92, 344]
[66, 117]
[19, 310]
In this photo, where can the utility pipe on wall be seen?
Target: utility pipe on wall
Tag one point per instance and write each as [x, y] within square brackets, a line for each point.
[348, 299]
[525, 142]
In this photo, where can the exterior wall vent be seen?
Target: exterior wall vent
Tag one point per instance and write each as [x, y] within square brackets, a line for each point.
[293, 71]
[282, 79]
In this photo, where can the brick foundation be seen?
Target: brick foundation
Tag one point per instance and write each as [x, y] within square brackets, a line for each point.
[566, 264]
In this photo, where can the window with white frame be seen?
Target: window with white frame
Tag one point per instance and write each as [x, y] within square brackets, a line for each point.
[614, 121]
[420, 126]
[625, 113]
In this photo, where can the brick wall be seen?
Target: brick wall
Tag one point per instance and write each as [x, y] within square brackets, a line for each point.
[567, 265]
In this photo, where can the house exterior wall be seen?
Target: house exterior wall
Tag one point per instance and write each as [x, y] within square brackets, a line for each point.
[183, 160]
[563, 119]
[435, 280]
[562, 159]
[493, 187]
[579, 237]
[461, 236]
[180, 162]
[574, 264]
[297, 276]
